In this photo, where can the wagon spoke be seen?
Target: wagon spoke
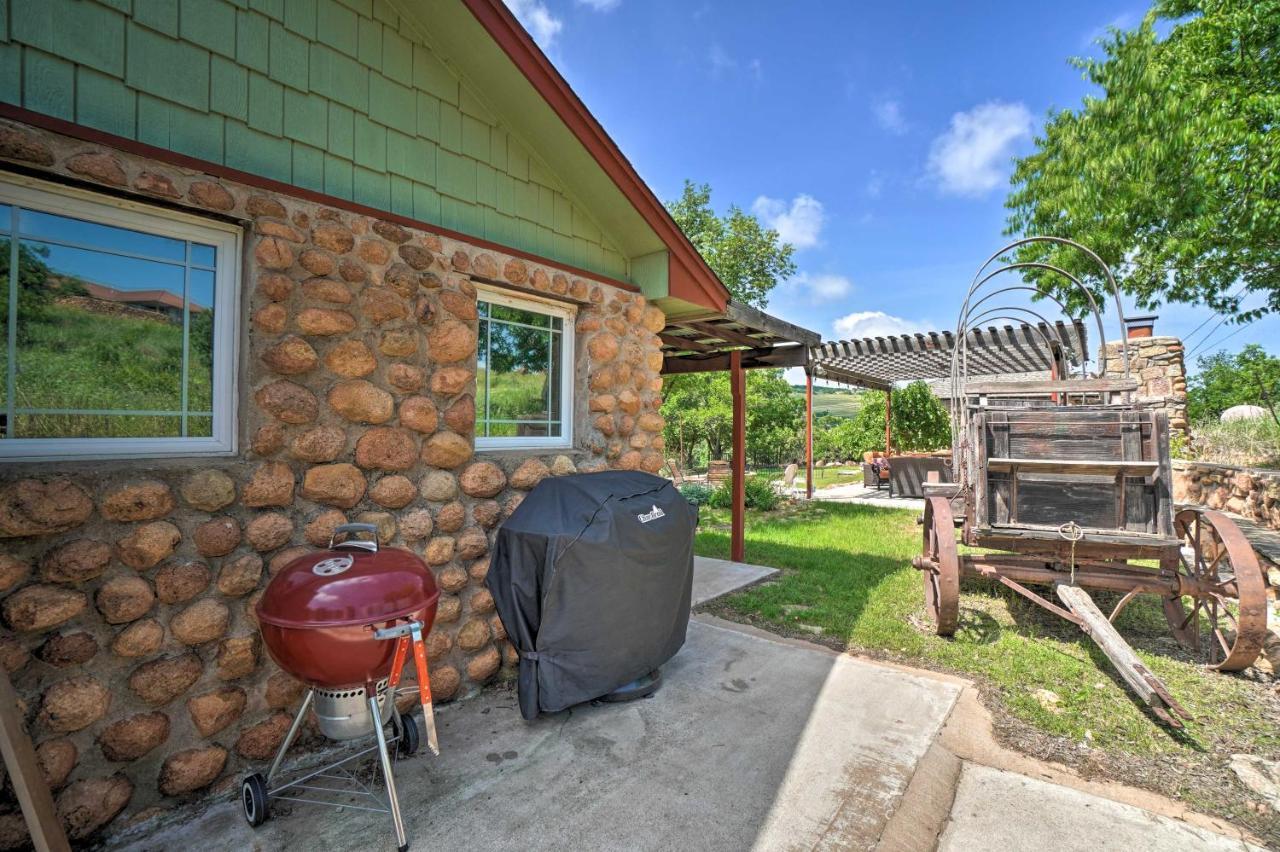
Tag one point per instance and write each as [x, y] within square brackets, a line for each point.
[1226, 608]
[1222, 640]
[1195, 609]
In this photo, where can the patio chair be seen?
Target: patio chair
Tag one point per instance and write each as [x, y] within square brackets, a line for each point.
[873, 475]
[677, 475]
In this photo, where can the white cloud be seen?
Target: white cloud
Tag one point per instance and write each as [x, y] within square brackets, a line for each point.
[600, 5]
[822, 287]
[875, 184]
[875, 324]
[721, 61]
[535, 17]
[799, 223]
[971, 158]
[888, 114]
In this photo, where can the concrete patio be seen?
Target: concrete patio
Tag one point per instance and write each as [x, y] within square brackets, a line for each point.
[754, 742]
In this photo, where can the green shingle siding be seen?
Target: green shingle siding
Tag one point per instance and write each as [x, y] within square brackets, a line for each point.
[287, 57]
[160, 15]
[209, 23]
[258, 153]
[339, 78]
[10, 73]
[300, 16]
[337, 96]
[48, 85]
[337, 26]
[104, 102]
[252, 41]
[308, 167]
[306, 118]
[266, 105]
[228, 88]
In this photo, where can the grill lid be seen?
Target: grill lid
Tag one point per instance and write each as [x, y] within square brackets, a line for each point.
[348, 584]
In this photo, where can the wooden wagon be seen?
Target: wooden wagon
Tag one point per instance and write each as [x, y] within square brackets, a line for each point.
[1066, 483]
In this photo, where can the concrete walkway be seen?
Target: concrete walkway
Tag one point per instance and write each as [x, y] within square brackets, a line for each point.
[754, 742]
[859, 493]
[1004, 810]
[715, 577]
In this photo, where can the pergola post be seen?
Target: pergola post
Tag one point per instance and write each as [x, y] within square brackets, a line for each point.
[888, 415]
[808, 435]
[738, 387]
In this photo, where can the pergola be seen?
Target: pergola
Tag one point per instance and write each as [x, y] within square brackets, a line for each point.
[738, 339]
[1004, 353]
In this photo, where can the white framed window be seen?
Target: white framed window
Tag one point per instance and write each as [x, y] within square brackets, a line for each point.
[524, 371]
[120, 327]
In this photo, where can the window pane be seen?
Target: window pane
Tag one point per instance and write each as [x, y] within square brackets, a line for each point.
[518, 372]
[6, 218]
[99, 332]
[482, 377]
[50, 226]
[200, 353]
[202, 255]
[502, 312]
[4, 336]
[199, 426]
[97, 426]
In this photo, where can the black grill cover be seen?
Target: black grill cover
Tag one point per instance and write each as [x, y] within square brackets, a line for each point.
[592, 576]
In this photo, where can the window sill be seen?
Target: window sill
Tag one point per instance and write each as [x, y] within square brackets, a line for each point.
[529, 452]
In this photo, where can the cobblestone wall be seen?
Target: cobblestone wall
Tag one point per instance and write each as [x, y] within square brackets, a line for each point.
[1156, 362]
[1253, 493]
[129, 587]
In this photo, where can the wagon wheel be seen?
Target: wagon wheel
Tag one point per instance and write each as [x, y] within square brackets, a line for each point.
[941, 584]
[1226, 587]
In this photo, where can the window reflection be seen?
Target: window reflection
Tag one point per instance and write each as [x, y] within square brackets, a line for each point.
[113, 332]
[518, 373]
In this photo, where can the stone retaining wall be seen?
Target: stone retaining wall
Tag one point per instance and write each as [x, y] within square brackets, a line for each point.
[129, 587]
[1250, 492]
[1157, 363]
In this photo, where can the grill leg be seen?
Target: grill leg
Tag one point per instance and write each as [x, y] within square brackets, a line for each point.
[293, 732]
[385, 757]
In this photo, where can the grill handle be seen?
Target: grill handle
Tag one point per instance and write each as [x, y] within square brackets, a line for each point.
[370, 545]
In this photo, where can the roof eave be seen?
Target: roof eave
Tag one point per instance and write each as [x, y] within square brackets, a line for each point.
[516, 42]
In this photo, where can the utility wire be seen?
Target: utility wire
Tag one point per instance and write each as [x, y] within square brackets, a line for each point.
[1209, 318]
[1221, 340]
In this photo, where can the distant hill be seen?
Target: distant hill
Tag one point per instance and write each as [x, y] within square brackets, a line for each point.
[838, 402]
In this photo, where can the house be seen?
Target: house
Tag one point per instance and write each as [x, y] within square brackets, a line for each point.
[372, 199]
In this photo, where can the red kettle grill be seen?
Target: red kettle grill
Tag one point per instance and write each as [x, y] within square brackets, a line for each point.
[342, 621]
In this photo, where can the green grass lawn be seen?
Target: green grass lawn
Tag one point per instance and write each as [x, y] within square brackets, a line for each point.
[822, 476]
[846, 571]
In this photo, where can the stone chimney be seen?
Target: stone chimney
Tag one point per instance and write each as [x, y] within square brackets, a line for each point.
[1157, 363]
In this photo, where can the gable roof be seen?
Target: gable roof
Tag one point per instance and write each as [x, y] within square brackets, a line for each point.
[579, 150]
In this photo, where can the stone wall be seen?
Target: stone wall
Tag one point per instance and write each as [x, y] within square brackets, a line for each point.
[1253, 493]
[1157, 363]
[129, 587]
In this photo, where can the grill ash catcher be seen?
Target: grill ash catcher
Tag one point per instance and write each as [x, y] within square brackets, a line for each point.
[343, 621]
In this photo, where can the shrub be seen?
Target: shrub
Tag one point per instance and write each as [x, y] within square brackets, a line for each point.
[759, 495]
[696, 493]
[1248, 443]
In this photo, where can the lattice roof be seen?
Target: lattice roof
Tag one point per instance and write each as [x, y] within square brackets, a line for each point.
[878, 362]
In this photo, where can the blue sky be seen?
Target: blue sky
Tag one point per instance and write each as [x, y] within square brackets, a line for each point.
[876, 137]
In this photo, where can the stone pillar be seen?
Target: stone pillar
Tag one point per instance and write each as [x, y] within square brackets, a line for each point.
[1157, 364]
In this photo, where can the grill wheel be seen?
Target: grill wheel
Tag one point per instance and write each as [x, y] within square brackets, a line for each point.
[253, 798]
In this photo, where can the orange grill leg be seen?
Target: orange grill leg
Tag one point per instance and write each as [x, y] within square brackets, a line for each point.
[424, 690]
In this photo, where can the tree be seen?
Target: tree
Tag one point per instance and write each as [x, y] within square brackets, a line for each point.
[1172, 173]
[919, 423]
[1250, 377]
[698, 408]
[749, 258]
